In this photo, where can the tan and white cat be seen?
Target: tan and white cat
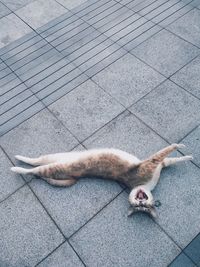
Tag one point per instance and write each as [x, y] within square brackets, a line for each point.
[141, 176]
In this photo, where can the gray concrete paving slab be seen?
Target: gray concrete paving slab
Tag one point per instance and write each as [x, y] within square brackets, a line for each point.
[28, 234]
[192, 142]
[48, 10]
[72, 207]
[4, 11]
[86, 109]
[119, 81]
[128, 133]
[113, 239]
[62, 257]
[188, 77]
[9, 182]
[16, 4]
[12, 28]
[166, 52]
[169, 110]
[188, 27]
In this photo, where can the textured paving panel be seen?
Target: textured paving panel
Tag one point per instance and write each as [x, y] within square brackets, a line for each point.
[27, 231]
[183, 261]
[86, 109]
[128, 79]
[192, 250]
[113, 239]
[189, 78]
[188, 27]
[126, 132]
[166, 52]
[8, 181]
[169, 110]
[62, 257]
[43, 132]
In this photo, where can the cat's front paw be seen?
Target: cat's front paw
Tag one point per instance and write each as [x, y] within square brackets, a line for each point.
[177, 146]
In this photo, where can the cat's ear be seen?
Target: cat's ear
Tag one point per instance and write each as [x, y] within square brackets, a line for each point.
[131, 210]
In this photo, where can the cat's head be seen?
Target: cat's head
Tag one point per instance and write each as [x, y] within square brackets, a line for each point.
[141, 199]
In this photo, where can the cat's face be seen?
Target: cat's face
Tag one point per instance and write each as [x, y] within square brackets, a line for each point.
[141, 199]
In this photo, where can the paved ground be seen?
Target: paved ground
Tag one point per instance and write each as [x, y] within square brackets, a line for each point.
[77, 74]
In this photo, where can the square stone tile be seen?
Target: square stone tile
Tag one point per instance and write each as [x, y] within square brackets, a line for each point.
[40, 12]
[8, 181]
[169, 110]
[127, 133]
[192, 250]
[183, 261]
[4, 11]
[71, 207]
[189, 78]
[41, 134]
[179, 191]
[188, 27]
[192, 142]
[27, 233]
[128, 79]
[16, 4]
[85, 109]
[12, 28]
[71, 4]
[166, 52]
[62, 257]
[113, 239]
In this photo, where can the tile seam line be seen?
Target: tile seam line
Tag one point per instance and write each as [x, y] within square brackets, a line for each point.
[96, 214]
[164, 139]
[29, 46]
[182, 252]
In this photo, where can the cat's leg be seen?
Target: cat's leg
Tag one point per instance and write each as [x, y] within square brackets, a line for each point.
[53, 170]
[170, 161]
[61, 183]
[160, 155]
[42, 160]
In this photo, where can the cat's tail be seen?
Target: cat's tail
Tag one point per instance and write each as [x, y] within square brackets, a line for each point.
[21, 170]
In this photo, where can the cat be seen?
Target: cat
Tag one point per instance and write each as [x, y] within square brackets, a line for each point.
[141, 176]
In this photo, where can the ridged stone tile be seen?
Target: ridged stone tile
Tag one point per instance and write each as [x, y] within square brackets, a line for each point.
[72, 207]
[188, 27]
[128, 79]
[62, 257]
[169, 110]
[166, 52]
[8, 181]
[40, 12]
[27, 233]
[126, 132]
[113, 239]
[86, 109]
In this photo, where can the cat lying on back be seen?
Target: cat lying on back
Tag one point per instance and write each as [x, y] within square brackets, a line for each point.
[141, 176]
